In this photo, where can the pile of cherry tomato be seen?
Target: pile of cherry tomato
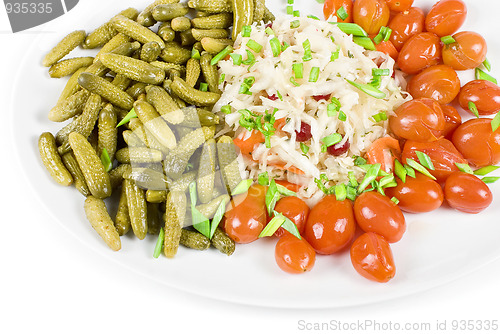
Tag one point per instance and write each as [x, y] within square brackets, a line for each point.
[429, 123]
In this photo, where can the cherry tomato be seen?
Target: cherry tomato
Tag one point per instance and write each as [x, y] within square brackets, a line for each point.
[294, 209]
[468, 51]
[420, 119]
[372, 258]
[330, 225]
[416, 195]
[399, 5]
[246, 142]
[485, 95]
[371, 15]
[386, 47]
[452, 118]
[246, 215]
[446, 17]
[384, 151]
[467, 193]
[294, 255]
[330, 7]
[405, 25]
[378, 214]
[442, 152]
[438, 82]
[420, 51]
[477, 142]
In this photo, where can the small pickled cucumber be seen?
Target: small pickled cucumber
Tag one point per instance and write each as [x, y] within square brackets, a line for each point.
[79, 180]
[194, 240]
[191, 95]
[174, 53]
[107, 90]
[107, 131]
[193, 70]
[223, 242]
[65, 46]
[138, 155]
[156, 196]
[210, 73]
[99, 218]
[52, 161]
[242, 15]
[174, 216]
[167, 12]
[71, 106]
[106, 32]
[69, 66]
[137, 208]
[122, 219]
[180, 23]
[215, 45]
[222, 20]
[145, 18]
[211, 6]
[135, 30]
[150, 51]
[134, 69]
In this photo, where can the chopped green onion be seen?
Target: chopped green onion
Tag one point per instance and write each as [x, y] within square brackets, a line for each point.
[368, 89]
[425, 160]
[371, 175]
[222, 78]
[226, 109]
[253, 45]
[203, 86]
[272, 196]
[418, 167]
[313, 17]
[352, 179]
[495, 122]
[387, 33]
[279, 95]
[159, 243]
[271, 227]
[221, 55]
[263, 179]
[297, 70]
[376, 81]
[324, 148]
[399, 170]
[285, 191]
[195, 54]
[335, 55]
[294, 24]
[250, 58]
[200, 222]
[332, 139]
[289, 226]
[304, 148]
[381, 71]
[383, 35]
[341, 13]
[275, 46]
[307, 50]
[448, 40]
[410, 171]
[381, 116]
[481, 75]
[490, 179]
[237, 58]
[269, 31]
[219, 214]
[333, 107]
[246, 31]
[314, 74]
[351, 28]
[320, 1]
[289, 10]
[244, 89]
[351, 193]
[473, 109]
[342, 116]
[290, 2]
[487, 65]
[106, 161]
[321, 186]
[296, 13]
[365, 42]
[358, 161]
[386, 180]
[486, 170]
[395, 200]
[131, 114]
[464, 168]
[340, 192]
[242, 187]
[292, 80]
[285, 46]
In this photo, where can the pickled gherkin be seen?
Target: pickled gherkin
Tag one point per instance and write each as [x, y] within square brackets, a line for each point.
[134, 69]
[99, 218]
[194, 240]
[137, 208]
[155, 124]
[150, 51]
[155, 221]
[191, 95]
[193, 70]
[210, 73]
[215, 45]
[223, 242]
[243, 11]
[206, 171]
[107, 90]
[79, 180]
[107, 132]
[65, 46]
[167, 12]
[122, 218]
[52, 160]
[106, 32]
[69, 66]
[222, 20]
[69, 107]
[228, 162]
[145, 18]
[173, 217]
[135, 30]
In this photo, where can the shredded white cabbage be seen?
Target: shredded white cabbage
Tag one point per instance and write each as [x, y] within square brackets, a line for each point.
[272, 78]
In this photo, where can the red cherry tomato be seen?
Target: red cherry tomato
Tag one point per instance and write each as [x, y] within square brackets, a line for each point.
[330, 7]
[386, 47]
[294, 209]
[477, 142]
[371, 15]
[416, 195]
[467, 193]
[246, 215]
[468, 51]
[405, 25]
[294, 255]
[330, 225]
[452, 118]
[384, 151]
[420, 119]
[439, 82]
[443, 154]
[399, 5]
[446, 17]
[420, 51]
[378, 214]
[485, 95]
[372, 258]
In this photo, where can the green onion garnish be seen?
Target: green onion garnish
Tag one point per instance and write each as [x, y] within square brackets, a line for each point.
[131, 114]
[203, 86]
[448, 40]
[272, 196]
[221, 55]
[222, 78]
[418, 167]
[340, 192]
[195, 54]
[294, 24]
[365, 42]
[106, 161]
[290, 2]
[495, 122]
[313, 17]
[242, 187]
[342, 116]
[275, 46]
[410, 171]
[335, 55]
[371, 175]
[246, 31]
[490, 179]
[333, 107]
[320, 1]
[381, 116]
[159, 243]
[289, 226]
[386, 180]
[289, 10]
[292, 80]
[376, 81]
[269, 31]
[399, 170]
[351, 29]
[381, 72]
[425, 160]
[304, 148]
[359, 161]
[481, 75]
[200, 222]
[279, 95]
[395, 200]
[351, 193]
[307, 50]
[217, 217]
[237, 58]
[368, 89]
[464, 168]
[487, 65]
[253, 45]
[341, 13]
[226, 109]
[284, 46]
[263, 179]
[273, 225]
[297, 70]
[352, 179]
[296, 13]
[250, 58]
[285, 191]
[486, 170]
[473, 109]
[314, 74]
[332, 139]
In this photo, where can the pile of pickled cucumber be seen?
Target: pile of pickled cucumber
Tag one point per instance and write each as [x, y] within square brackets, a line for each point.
[139, 120]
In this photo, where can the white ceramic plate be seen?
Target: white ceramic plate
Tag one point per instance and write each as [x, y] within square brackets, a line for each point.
[436, 248]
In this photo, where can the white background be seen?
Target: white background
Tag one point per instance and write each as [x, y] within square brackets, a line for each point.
[50, 282]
